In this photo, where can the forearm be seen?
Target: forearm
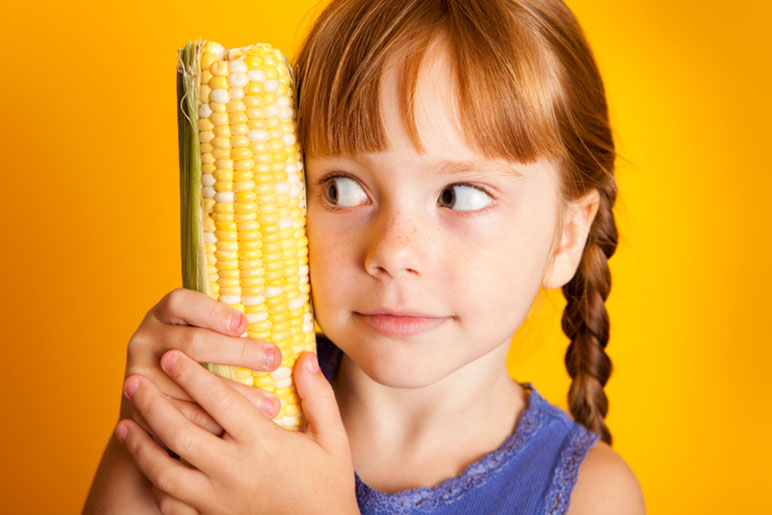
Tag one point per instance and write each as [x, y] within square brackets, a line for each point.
[118, 485]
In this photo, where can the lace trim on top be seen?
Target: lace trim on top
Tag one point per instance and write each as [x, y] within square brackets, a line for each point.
[474, 476]
[566, 473]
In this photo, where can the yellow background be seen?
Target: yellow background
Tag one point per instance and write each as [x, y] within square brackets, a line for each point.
[90, 234]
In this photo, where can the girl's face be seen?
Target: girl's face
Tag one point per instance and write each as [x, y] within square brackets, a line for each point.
[458, 242]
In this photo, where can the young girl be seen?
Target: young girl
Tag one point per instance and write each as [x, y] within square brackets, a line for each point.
[458, 159]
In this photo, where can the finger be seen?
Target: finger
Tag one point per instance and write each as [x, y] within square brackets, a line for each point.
[228, 407]
[268, 403]
[191, 410]
[197, 446]
[166, 473]
[168, 505]
[195, 414]
[131, 412]
[206, 346]
[319, 404]
[183, 306]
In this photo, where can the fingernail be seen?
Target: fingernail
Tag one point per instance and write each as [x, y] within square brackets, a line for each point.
[312, 365]
[272, 358]
[120, 432]
[236, 322]
[268, 406]
[169, 360]
[130, 387]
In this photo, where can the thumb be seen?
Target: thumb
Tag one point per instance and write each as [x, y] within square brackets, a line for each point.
[319, 404]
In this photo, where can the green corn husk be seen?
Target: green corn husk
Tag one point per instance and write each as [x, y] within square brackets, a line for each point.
[194, 274]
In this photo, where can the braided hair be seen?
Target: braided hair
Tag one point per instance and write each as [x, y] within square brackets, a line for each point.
[586, 322]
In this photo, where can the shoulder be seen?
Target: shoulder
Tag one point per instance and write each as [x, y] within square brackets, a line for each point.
[606, 484]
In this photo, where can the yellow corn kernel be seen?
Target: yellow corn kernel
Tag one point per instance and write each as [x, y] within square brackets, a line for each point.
[252, 215]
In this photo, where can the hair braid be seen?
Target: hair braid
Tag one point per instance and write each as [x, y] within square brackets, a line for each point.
[586, 323]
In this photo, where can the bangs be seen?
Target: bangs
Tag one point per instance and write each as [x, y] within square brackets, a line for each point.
[504, 76]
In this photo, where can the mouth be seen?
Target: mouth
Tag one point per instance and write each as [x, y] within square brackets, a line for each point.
[401, 325]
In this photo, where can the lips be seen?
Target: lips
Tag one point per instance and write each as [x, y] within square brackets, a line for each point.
[400, 324]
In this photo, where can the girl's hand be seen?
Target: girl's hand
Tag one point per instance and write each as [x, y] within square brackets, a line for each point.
[207, 331]
[256, 466]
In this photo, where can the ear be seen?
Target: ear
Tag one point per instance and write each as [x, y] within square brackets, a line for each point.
[577, 220]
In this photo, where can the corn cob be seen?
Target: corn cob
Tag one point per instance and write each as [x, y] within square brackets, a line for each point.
[243, 202]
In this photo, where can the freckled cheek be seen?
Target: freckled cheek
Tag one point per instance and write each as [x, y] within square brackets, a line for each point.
[494, 272]
[329, 264]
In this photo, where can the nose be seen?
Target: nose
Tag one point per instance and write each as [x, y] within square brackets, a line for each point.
[399, 245]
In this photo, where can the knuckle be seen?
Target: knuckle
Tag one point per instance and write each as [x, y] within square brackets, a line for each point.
[138, 342]
[139, 448]
[225, 403]
[175, 299]
[148, 403]
[215, 310]
[182, 443]
[325, 392]
[249, 355]
[165, 479]
[193, 341]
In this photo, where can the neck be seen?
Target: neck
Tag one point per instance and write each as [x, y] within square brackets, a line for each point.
[474, 408]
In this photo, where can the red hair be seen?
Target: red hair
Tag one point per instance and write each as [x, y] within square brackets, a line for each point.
[528, 88]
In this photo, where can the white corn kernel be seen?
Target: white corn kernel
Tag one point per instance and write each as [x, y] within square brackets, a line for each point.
[258, 135]
[256, 317]
[281, 373]
[219, 96]
[224, 196]
[296, 303]
[273, 291]
[238, 66]
[238, 80]
[286, 113]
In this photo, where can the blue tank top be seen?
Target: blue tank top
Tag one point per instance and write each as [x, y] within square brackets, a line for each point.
[533, 471]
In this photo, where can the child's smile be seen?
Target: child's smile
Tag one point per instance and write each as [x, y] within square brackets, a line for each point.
[398, 323]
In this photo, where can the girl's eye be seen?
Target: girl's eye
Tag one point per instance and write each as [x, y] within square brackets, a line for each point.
[343, 192]
[464, 197]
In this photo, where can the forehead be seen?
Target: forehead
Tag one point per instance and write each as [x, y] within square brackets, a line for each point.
[435, 107]
[438, 124]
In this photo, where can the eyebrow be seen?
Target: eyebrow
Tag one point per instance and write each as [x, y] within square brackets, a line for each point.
[484, 168]
[493, 168]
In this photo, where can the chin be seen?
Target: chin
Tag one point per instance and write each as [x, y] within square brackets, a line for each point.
[395, 379]
[394, 371]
